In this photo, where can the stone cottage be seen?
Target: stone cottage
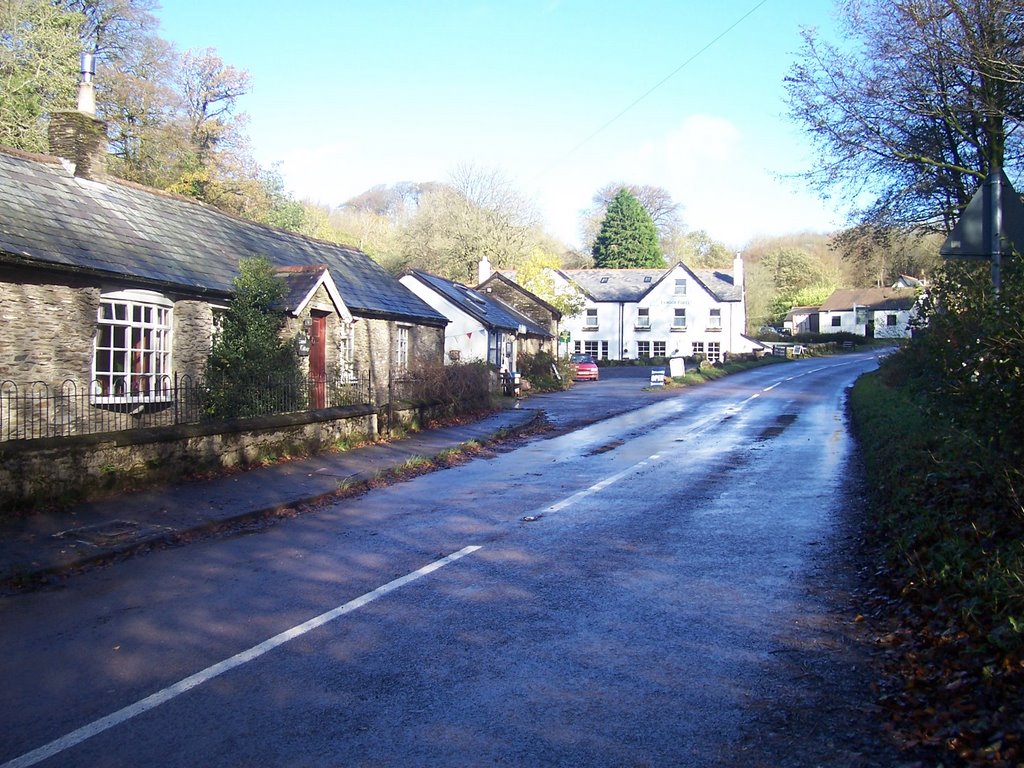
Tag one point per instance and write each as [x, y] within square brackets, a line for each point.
[113, 289]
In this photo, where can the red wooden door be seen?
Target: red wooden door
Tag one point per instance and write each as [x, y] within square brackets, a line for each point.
[318, 362]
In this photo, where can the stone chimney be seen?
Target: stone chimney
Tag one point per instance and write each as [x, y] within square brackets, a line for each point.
[80, 137]
[737, 270]
[483, 270]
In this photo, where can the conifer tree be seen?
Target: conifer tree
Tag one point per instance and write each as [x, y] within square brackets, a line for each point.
[628, 238]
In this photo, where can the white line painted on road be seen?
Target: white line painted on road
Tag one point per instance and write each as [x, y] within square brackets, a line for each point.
[568, 501]
[160, 697]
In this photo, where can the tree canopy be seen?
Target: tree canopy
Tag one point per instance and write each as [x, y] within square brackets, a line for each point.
[38, 69]
[627, 237]
[926, 98]
[535, 275]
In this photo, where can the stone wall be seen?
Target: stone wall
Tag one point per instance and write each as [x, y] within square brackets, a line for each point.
[46, 328]
[193, 337]
[37, 472]
[375, 341]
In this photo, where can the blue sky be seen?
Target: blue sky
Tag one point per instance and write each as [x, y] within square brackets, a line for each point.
[347, 94]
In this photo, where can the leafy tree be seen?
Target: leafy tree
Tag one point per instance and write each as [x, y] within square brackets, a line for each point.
[535, 275]
[455, 225]
[923, 101]
[38, 69]
[785, 278]
[249, 361]
[878, 256]
[698, 250]
[211, 90]
[627, 237]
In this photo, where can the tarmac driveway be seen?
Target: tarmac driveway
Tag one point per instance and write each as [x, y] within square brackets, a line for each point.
[620, 389]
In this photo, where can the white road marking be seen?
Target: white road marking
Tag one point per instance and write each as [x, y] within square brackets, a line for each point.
[160, 697]
[568, 501]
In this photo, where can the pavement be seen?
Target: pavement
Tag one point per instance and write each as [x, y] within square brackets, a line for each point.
[46, 547]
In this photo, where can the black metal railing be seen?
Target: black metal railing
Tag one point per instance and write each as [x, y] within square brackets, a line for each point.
[42, 410]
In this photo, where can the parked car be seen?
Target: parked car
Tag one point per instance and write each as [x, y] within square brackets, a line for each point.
[584, 368]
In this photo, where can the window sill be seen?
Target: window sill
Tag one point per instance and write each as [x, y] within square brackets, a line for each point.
[590, 328]
[713, 330]
[679, 329]
[641, 327]
[130, 399]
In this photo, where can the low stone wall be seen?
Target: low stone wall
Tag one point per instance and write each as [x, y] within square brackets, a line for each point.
[34, 473]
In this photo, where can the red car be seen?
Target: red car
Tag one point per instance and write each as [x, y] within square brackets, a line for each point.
[583, 368]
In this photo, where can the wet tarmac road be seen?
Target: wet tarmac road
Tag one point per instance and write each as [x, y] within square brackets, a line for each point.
[614, 598]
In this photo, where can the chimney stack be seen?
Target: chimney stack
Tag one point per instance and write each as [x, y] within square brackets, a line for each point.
[737, 270]
[80, 137]
[483, 270]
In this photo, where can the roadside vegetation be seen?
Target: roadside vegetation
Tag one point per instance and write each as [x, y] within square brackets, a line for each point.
[942, 439]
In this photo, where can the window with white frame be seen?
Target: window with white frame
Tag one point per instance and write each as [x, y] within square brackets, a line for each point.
[591, 321]
[643, 317]
[836, 321]
[132, 350]
[643, 349]
[659, 349]
[715, 351]
[590, 347]
[494, 348]
[715, 318]
[679, 320]
[697, 348]
[402, 347]
[680, 289]
[604, 350]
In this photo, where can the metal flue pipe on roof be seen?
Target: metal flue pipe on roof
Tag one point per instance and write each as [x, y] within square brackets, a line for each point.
[86, 89]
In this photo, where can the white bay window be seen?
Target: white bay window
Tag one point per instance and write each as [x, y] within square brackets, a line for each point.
[132, 351]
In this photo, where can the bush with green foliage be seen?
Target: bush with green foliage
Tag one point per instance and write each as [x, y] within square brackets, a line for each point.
[943, 433]
[251, 370]
[540, 370]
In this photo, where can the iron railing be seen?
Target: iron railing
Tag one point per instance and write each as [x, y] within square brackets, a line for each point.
[41, 410]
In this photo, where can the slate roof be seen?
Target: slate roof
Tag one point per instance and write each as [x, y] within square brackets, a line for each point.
[844, 299]
[118, 229]
[488, 310]
[631, 285]
[497, 277]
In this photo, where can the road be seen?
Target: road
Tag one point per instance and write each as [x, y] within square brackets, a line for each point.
[617, 595]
